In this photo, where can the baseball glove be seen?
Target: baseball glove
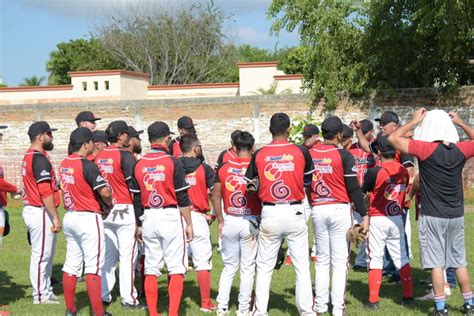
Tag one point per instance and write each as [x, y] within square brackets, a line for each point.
[280, 258]
[356, 235]
[253, 185]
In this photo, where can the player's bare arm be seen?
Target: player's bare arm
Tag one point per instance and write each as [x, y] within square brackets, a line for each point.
[51, 208]
[398, 139]
[363, 142]
[186, 213]
[459, 122]
[216, 204]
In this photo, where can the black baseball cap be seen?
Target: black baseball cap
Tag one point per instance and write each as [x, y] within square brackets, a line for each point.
[366, 126]
[347, 132]
[39, 128]
[86, 116]
[185, 122]
[158, 130]
[310, 130]
[388, 117]
[116, 128]
[99, 137]
[331, 126]
[3, 126]
[134, 133]
[81, 135]
[383, 144]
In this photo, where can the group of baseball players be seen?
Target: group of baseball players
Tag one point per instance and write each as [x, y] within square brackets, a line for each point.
[122, 206]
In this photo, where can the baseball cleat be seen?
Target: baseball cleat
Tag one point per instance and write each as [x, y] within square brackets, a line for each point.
[243, 313]
[68, 313]
[372, 306]
[136, 307]
[208, 308]
[356, 267]
[429, 296]
[408, 301]
[222, 312]
[440, 312]
[48, 301]
[468, 309]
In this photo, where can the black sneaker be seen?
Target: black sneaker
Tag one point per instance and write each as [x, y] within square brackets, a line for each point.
[408, 302]
[372, 306]
[136, 307]
[356, 267]
[105, 303]
[68, 313]
[468, 309]
[440, 312]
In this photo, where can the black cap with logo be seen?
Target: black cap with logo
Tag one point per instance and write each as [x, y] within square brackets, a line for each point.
[81, 135]
[331, 126]
[388, 117]
[39, 128]
[366, 126]
[134, 133]
[383, 144]
[158, 130]
[86, 116]
[116, 128]
[185, 122]
[347, 132]
[99, 137]
[310, 130]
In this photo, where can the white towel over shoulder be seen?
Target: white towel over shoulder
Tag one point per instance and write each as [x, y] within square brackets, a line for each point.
[436, 126]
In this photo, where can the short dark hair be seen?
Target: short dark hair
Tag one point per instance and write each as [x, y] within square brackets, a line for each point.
[388, 155]
[234, 134]
[188, 142]
[279, 123]
[243, 141]
[73, 147]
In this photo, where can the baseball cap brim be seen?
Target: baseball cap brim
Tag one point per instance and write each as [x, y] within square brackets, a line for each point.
[3, 126]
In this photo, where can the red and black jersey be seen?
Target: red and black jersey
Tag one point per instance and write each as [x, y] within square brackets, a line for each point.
[237, 200]
[116, 166]
[280, 167]
[406, 160]
[440, 165]
[79, 178]
[174, 148]
[363, 160]
[159, 178]
[37, 168]
[328, 182]
[200, 178]
[5, 187]
[91, 157]
[225, 155]
[387, 185]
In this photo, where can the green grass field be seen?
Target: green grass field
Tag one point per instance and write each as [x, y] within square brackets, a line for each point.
[15, 287]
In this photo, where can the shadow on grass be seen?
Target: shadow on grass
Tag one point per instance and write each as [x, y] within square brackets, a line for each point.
[9, 290]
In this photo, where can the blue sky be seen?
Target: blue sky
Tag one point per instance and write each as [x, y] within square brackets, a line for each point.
[30, 29]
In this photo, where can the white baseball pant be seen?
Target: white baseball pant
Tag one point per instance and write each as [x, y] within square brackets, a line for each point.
[43, 246]
[2, 223]
[283, 222]
[331, 223]
[408, 232]
[201, 246]
[386, 231]
[239, 246]
[120, 246]
[85, 243]
[361, 258]
[164, 242]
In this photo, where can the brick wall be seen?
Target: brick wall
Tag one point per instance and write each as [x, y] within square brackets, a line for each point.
[215, 118]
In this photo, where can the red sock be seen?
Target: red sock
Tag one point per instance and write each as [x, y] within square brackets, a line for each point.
[151, 294]
[94, 290]
[407, 281]
[69, 288]
[204, 281]
[375, 281]
[175, 289]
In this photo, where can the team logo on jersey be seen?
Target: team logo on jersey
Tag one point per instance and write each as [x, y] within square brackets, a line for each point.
[44, 173]
[153, 169]
[284, 157]
[279, 191]
[321, 189]
[155, 200]
[237, 199]
[67, 170]
[191, 179]
[237, 170]
[150, 178]
[323, 161]
[233, 183]
[99, 178]
[106, 161]
[68, 201]
[392, 190]
[393, 208]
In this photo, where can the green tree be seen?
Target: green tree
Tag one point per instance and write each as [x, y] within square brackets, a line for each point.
[356, 47]
[78, 55]
[32, 81]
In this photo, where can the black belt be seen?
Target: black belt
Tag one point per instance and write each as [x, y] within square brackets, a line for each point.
[282, 203]
[167, 206]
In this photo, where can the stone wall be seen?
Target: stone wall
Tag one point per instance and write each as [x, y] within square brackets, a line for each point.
[215, 118]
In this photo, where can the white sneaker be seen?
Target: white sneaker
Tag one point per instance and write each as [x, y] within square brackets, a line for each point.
[48, 301]
[222, 312]
[243, 313]
[429, 296]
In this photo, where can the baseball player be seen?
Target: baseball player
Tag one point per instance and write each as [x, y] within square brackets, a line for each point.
[333, 187]
[160, 196]
[200, 178]
[280, 168]
[41, 199]
[387, 184]
[81, 181]
[347, 134]
[185, 126]
[135, 143]
[242, 208]
[364, 161]
[5, 187]
[100, 143]
[88, 120]
[116, 165]
[229, 153]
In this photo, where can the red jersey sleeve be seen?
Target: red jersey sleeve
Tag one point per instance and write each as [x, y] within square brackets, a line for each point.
[467, 148]
[5, 186]
[420, 149]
